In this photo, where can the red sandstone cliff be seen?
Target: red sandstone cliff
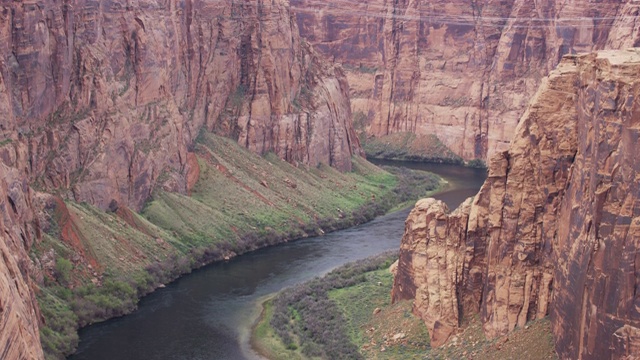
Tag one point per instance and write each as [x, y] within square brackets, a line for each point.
[100, 99]
[19, 318]
[462, 70]
[554, 229]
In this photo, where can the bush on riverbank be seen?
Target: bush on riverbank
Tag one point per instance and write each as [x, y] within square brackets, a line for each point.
[242, 202]
[305, 316]
[347, 315]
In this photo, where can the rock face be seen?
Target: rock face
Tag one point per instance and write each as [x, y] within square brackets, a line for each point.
[597, 248]
[19, 316]
[100, 98]
[430, 264]
[462, 70]
[553, 229]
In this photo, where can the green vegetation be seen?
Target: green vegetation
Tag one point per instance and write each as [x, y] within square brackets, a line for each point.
[367, 69]
[63, 270]
[237, 98]
[476, 163]
[347, 315]
[410, 147]
[358, 302]
[269, 342]
[375, 324]
[306, 316]
[456, 102]
[58, 333]
[304, 97]
[105, 261]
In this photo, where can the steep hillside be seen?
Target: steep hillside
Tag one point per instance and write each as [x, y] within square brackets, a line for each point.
[554, 228]
[96, 264]
[463, 70]
[101, 103]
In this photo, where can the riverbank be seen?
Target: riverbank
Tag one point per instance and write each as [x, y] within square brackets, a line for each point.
[241, 202]
[306, 322]
[364, 325]
[416, 148]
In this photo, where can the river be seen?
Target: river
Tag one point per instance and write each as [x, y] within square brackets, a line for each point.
[208, 314]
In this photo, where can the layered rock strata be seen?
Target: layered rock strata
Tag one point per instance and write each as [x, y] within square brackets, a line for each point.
[552, 230]
[102, 101]
[461, 70]
[19, 317]
[100, 98]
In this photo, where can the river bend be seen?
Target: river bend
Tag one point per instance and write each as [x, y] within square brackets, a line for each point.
[208, 313]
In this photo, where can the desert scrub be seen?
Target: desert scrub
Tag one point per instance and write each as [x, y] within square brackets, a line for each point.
[306, 317]
[241, 202]
[375, 324]
[58, 333]
[348, 315]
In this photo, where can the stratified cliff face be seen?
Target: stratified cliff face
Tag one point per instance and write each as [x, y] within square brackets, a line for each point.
[19, 319]
[101, 101]
[99, 98]
[597, 247]
[462, 70]
[554, 229]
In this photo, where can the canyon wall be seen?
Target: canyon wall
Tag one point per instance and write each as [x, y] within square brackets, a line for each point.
[19, 317]
[100, 98]
[462, 70]
[554, 229]
[102, 101]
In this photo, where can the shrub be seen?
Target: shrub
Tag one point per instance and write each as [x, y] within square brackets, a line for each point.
[63, 270]
[306, 312]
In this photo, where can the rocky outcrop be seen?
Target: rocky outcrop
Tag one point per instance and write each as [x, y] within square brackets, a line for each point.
[552, 231]
[461, 70]
[19, 316]
[431, 263]
[103, 97]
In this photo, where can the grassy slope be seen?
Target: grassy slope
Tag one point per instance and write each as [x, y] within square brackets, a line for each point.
[374, 334]
[358, 304]
[306, 317]
[246, 193]
[393, 332]
[102, 263]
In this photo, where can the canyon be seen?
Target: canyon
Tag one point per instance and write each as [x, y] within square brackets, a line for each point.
[553, 231]
[461, 70]
[102, 103]
[108, 110]
[138, 81]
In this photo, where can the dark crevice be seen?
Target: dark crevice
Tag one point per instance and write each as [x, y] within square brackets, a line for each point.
[13, 205]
